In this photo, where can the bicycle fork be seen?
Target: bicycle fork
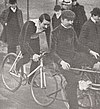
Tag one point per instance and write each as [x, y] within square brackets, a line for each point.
[19, 55]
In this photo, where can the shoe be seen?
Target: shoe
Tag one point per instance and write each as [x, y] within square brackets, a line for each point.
[29, 82]
[35, 84]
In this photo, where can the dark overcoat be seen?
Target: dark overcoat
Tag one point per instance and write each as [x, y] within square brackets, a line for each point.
[90, 35]
[3, 20]
[55, 21]
[80, 17]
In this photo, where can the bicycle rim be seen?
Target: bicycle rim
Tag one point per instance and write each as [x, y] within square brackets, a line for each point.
[84, 99]
[11, 80]
[42, 95]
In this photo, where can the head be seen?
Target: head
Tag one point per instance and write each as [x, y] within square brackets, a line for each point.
[67, 17]
[57, 10]
[13, 3]
[95, 14]
[44, 21]
[66, 4]
[74, 2]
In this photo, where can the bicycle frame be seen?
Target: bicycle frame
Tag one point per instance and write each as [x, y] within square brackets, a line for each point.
[40, 67]
[42, 74]
[18, 56]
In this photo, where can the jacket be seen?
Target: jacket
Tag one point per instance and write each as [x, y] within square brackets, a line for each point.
[4, 18]
[90, 35]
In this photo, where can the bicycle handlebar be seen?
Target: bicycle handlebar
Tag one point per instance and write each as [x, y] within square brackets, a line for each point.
[42, 54]
[85, 70]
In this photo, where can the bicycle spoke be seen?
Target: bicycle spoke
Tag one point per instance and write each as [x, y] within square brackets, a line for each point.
[39, 94]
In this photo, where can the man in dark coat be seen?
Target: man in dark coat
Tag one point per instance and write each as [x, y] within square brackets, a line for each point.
[90, 33]
[64, 51]
[12, 21]
[80, 16]
[31, 44]
[56, 18]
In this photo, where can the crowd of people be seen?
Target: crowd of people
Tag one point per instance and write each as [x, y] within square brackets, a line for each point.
[73, 41]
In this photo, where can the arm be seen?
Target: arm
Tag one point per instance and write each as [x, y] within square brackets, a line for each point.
[21, 16]
[28, 32]
[55, 56]
[53, 21]
[81, 45]
[53, 53]
[83, 15]
[3, 17]
[83, 37]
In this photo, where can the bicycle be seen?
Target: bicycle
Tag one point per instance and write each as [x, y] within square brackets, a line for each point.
[85, 96]
[47, 89]
[13, 81]
[92, 88]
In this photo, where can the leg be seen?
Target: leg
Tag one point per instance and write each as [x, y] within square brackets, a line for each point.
[22, 61]
[71, 89]
[33, 66]
[11, 49]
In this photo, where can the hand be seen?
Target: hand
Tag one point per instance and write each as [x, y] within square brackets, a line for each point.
[36, 57]
[65, 65]
[5, 24]
[96, 66]
[95, 54]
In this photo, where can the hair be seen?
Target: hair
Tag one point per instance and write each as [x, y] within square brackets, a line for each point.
[68, 14]
[74, 0]
[44, 16]
[57, 8]
[12, 2]
[95, 12]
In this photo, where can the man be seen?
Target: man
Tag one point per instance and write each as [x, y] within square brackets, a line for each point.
[80, 16]
[56, 18]
[64, 51]
[90, 32]
[27, 51]
[12, 21]
[79, 11]
[38, 42]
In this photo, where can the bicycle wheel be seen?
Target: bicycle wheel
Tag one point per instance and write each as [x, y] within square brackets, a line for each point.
[11, 80]
[84, 99]
[47, 95]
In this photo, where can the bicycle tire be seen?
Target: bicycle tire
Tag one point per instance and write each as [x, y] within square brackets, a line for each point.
[85, 99]
[41, 95]
[10, 80]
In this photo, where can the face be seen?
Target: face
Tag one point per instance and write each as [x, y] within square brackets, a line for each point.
[66, 6]
[96, 18]
[66, 22]
[74, 3]
[45, 24]
[13, 5]
[58, 13]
